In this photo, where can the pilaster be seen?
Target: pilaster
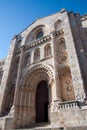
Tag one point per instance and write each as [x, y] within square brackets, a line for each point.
[73, 59]
[20, 66]
[57, 86]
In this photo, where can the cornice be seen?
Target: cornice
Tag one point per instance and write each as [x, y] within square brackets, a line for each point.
[38, 42]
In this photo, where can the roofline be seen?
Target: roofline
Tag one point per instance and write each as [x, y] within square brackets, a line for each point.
[36, 20]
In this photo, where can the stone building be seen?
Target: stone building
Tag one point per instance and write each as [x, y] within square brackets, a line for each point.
[44, 77]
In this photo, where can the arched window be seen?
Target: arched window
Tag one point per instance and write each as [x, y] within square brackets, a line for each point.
[16, 63]
[28, 59]
[47, 51]
[37, 55]
[62, 45]
[39, 34]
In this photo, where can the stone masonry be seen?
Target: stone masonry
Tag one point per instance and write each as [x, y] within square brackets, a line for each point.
[44, 77]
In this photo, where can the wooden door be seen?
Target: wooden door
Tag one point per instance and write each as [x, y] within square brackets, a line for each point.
[42, 102]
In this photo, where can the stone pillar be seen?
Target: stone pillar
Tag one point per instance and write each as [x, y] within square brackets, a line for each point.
[19, 74]
[57, 86]
[73, 59]
[21, 63]
[80, 44]
[20, 66]
[32, 57]
[20, 114]
[6, 75]
[42, 53]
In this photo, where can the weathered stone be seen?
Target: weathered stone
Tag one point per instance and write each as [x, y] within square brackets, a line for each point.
[47, 60]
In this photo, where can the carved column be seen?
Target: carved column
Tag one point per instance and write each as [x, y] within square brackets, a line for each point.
[57, 87]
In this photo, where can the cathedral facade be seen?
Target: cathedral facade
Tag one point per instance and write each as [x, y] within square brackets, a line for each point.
[44, 77]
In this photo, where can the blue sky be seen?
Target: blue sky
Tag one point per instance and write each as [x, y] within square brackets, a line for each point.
[16, 15]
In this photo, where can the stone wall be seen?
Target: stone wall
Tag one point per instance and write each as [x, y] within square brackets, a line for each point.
[63, 67]
[68, 114]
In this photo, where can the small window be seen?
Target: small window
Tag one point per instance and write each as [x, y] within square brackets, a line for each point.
[39, 35]
[62, 45]
[28, 59]
[37, 55]
[47, 51]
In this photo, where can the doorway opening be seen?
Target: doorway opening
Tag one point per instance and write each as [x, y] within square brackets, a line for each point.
[42, 101]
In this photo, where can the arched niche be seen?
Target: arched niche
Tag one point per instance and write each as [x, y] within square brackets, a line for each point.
[27, 58]
[47, 50]
[37, 55]
[61, 45]
[58, 24]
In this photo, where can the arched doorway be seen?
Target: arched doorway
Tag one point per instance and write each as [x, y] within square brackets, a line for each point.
[42, 102]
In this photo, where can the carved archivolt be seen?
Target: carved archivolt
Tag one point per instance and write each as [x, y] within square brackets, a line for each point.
[37, 73]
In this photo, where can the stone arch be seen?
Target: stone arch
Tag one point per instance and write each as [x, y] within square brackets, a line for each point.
[40, 69]
[47, 50]
[32, 32]
[26, 94]
[39, 34]
[61, 45]
[58, 24]
[27, 58]
[37, 54]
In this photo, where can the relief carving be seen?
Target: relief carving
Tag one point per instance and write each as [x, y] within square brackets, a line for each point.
[63, 58]
[66, 84]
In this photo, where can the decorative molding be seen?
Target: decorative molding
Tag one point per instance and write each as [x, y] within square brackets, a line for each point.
[58, 33]
[42, 70]
[63, 57]
[64, 105]
[38, 42]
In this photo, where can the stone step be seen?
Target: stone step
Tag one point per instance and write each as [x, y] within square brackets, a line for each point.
[41, 129]
[61, 128]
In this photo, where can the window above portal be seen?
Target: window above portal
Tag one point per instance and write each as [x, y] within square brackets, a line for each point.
[39, 34]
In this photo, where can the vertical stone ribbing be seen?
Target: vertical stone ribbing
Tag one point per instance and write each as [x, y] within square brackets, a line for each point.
[57, 86]
[21, 61]
[73, 59]
[6, 74]
[80, 44]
